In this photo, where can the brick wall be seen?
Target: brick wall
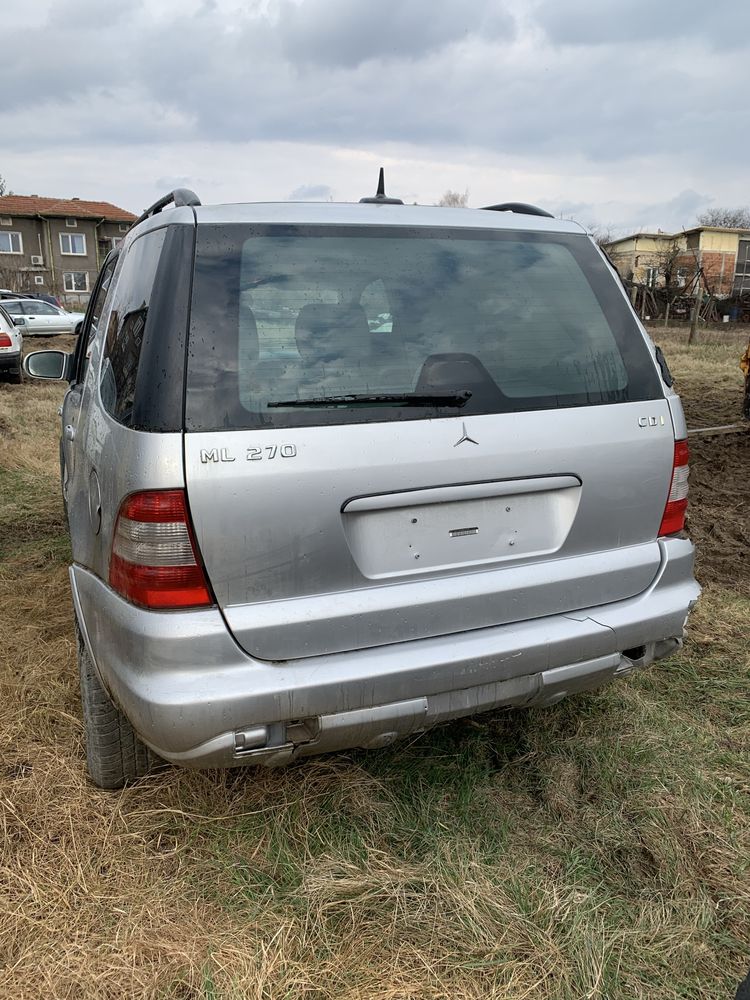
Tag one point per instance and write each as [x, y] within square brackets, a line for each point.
[718, 268]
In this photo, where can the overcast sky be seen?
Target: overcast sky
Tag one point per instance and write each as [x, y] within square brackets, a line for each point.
[631, 115]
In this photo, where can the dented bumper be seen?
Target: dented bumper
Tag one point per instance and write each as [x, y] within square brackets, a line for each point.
[198, 700]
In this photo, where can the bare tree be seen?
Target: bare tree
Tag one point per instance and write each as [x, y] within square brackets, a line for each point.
[602, 235]
[665, 260]
[16, 281]
[666, 263]
[3, 187]
[454, 199]
[728, 218]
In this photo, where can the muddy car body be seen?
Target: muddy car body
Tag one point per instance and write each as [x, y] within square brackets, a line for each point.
[337, 473]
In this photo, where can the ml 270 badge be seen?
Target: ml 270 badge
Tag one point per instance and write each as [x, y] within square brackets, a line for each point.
[252, 454]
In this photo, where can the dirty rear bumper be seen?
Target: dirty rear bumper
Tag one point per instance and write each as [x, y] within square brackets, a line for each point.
[10, 362]
[199, 700]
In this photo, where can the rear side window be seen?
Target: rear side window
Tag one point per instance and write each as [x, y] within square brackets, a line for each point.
[128, 321]
[299, 326]
[101, 296]
[91, 324]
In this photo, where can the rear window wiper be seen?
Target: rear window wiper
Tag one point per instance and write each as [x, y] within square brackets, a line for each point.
[382, 399]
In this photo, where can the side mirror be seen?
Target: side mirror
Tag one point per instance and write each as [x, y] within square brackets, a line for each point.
[53, 365]
[19, 321]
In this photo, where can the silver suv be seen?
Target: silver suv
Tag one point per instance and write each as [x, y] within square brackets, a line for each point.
[337, 473]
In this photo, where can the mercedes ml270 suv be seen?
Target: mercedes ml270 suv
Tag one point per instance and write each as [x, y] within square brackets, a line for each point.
[335, 473]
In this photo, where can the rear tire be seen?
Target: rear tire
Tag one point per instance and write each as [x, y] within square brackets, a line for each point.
[15, 377]
[114, 754]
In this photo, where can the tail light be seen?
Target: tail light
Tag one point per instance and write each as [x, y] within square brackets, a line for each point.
[673, 519]
[5, 340]
[154, 559]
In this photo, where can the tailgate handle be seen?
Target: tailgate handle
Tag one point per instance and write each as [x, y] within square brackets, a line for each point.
[466, 491]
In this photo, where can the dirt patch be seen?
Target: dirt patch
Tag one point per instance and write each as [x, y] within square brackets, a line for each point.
[719, 518]
[710, 383]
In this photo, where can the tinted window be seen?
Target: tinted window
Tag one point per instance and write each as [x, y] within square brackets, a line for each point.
[127, 325]
[96, 308]
[14, 308]
[522, 321]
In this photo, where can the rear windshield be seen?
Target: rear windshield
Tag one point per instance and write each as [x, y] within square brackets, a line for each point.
[296, 326]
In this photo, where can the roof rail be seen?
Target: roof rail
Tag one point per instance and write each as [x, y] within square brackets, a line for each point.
[178, 197]
[519, 207]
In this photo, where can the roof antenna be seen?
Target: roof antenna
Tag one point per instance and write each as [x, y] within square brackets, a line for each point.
[380, 196]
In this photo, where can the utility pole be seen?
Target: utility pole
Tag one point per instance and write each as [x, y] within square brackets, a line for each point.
[693, 337]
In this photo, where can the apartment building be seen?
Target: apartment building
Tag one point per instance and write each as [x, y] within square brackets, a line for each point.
[57, 245]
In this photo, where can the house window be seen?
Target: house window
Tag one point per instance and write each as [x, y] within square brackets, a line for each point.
[116, 241]
[682, 273]
[71, 223]
[38, 279]
[5, 221]
[73, 244]
[124, 226]
[11, 243]
[76, 281]
[651, 275]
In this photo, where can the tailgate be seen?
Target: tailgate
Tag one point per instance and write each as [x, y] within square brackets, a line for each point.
[324, 539]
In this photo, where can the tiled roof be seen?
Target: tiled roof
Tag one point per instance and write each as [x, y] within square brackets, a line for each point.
[22, 204]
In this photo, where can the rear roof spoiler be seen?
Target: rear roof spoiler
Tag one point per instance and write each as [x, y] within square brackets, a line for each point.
[519, 207]
[179, 198]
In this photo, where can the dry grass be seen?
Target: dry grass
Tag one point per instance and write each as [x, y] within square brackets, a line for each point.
[597, 849]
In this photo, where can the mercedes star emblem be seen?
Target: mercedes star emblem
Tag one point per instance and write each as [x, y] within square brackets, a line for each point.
[464, 437]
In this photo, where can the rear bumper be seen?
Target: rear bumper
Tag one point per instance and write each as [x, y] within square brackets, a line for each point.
[10, 362]
[197, 699]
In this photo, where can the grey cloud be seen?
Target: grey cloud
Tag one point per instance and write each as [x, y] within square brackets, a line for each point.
[675, 214]
[570, 209]
[79, 45]
[74, 15]
[583, 22]
[671, 216]
[350, 72]
[311, 192]
[241, 87]
[343, 33]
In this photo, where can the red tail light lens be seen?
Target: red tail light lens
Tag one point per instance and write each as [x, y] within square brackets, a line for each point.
[154, 559]
[674, 513]
[5, 340]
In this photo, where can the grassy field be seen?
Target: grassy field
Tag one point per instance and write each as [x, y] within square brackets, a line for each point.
[597, 849]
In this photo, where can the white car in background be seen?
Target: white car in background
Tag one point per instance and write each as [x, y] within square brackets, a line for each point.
[11, 346]
[42, 318]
